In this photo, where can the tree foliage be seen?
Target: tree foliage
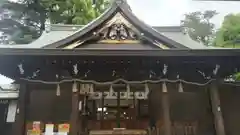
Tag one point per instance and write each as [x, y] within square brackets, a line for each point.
[229, 33]
[24, 20]
[74, 11]
[198, 26]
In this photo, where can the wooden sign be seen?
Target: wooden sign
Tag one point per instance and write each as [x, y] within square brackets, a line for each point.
[36, 130]
[49, 129]
[63, 128]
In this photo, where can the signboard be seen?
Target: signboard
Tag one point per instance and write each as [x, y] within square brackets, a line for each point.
[36, 130]
[63, 128]
[49, 129]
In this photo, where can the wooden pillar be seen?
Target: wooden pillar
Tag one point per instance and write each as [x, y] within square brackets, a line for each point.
[19, 125]
[216, 109]
[74, 114]
[134, 124]
[166, 111]
[118, 109]
[85, 113]
[102, 111]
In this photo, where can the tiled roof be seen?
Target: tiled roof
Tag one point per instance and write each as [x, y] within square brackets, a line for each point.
[56, 32]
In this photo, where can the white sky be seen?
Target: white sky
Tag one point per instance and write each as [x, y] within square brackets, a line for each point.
[170, 12]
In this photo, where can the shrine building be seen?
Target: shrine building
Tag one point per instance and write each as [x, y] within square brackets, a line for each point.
[118, 75]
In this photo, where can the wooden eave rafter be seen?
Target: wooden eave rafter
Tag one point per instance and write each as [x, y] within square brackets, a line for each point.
[34, 59]
[118, 6]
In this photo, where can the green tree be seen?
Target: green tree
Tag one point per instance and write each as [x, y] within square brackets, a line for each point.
[74, 11]
[198, 26]
[24, 20]
[229, 33]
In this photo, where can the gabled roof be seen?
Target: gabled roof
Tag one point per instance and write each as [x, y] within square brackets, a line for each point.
[61, 35]
[56, 32]
[118, 8]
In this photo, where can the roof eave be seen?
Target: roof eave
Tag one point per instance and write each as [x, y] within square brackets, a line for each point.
[101, 52]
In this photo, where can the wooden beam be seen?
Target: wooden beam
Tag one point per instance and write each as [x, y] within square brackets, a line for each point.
[19, 125]
[118, 109]
[74, 114]
[102, 111]
[84, 117]
[216, 109]
[166, 114]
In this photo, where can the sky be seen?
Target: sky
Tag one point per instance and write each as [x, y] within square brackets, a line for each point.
[170, 12]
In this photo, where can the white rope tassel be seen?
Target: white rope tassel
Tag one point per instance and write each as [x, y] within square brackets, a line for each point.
[58, 93]
[164, 87]
[74, 87]
[146, 90]
[128, 91]
[180, 87]
[91, 88]
[146, 87]
[111, 91]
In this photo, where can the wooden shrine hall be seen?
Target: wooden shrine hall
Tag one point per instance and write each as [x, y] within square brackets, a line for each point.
[118, 75]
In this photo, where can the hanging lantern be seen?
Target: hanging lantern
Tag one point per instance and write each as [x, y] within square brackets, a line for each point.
[58, 93]
[74, 87]
[180, 87]
[164, 87]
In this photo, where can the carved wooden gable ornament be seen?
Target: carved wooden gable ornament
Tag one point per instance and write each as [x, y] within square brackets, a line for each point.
[118, 30]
